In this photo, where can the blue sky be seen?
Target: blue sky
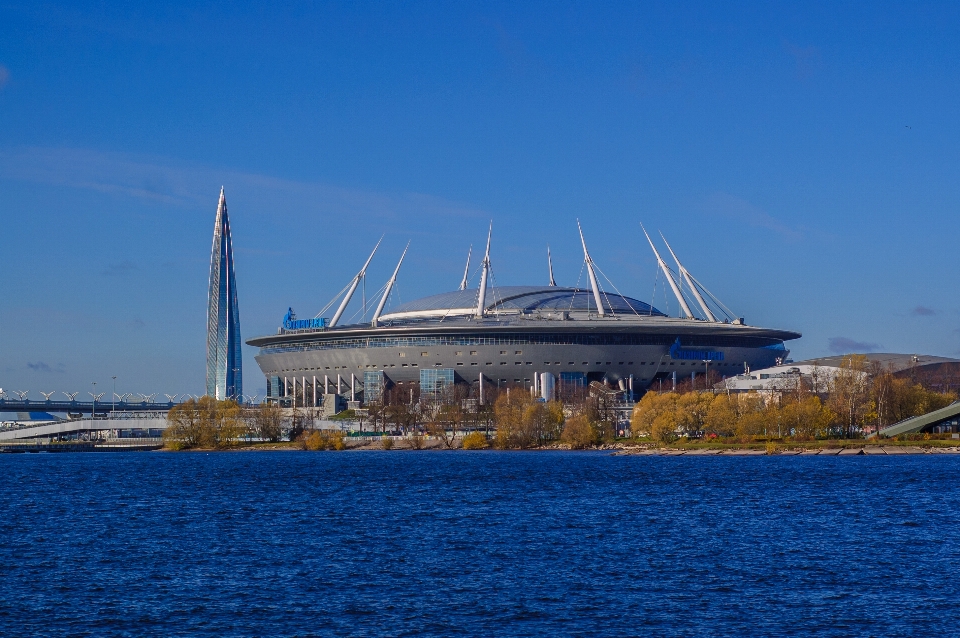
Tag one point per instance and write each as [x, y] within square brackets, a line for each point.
[801, 158]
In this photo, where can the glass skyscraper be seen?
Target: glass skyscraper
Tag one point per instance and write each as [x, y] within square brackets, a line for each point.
[224, 366]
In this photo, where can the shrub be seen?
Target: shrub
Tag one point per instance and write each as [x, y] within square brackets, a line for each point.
[386, 442]
[313, 441]
[338, 441]
[579, 432]
[475, 441]
[771, 447]
[417, 440]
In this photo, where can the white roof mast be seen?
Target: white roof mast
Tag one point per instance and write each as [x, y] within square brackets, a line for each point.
[353, 287]
[482, 297]
[466, 270]
[550, 266]
[686, 275]
[593, 275]
[666, 273]
[386, 292]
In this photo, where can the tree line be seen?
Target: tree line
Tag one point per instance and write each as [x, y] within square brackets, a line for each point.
[855, 399]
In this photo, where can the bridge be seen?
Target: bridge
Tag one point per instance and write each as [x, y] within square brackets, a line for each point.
[99, 406]
[83, 407]
[150, 424]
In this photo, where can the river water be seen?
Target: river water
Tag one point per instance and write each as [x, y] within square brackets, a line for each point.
[477, 543]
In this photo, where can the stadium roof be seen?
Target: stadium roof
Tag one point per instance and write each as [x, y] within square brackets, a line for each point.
[517, 299]
[891, 360]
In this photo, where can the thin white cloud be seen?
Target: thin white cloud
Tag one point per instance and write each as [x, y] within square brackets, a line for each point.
[186, 185]
[741, 210]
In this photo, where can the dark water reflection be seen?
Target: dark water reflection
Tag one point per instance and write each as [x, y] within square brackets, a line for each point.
[407, 543]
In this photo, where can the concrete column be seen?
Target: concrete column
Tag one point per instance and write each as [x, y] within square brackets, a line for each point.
[481, 388]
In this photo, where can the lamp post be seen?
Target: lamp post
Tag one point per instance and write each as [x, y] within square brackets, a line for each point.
[706, 374]
[234, 386]
[114, 407]
[93, 409]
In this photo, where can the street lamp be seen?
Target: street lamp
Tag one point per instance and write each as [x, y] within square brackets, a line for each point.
[114, 408]
[706, 374]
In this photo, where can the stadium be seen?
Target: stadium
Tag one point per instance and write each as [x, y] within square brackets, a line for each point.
[540, 337]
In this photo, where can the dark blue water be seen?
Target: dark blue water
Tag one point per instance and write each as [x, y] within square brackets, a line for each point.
[411, 543]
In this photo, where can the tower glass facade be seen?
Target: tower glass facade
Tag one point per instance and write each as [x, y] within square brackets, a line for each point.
[224, 365]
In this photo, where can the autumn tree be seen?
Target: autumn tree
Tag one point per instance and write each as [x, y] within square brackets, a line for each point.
[265, 421]
[205, 422]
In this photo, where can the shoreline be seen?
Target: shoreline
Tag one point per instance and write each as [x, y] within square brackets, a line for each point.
[823, 448]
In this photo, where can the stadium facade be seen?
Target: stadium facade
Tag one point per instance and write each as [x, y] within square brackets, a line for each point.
[224, 359]
[535, 336]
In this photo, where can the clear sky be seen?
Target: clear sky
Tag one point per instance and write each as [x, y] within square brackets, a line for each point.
[801, 158]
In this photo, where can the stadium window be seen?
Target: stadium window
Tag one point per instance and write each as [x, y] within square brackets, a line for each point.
[473, 352]
[503, 352]
[474, 363]
[403, 354]
[518, 352]
[424, 354]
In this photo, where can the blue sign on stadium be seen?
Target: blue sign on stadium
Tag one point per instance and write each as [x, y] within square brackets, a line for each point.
[290, 322]
[676, 352]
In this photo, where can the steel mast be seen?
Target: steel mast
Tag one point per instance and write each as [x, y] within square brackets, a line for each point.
[386, 293]
[686, 275]
[593, 275]
[673, 284]
[482, 297]
[550, 266]
[353, 286]
[466, 269]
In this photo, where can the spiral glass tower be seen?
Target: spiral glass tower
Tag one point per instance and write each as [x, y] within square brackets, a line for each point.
[224, 368]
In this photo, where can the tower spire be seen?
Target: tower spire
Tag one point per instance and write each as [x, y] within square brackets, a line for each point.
[224, 360]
